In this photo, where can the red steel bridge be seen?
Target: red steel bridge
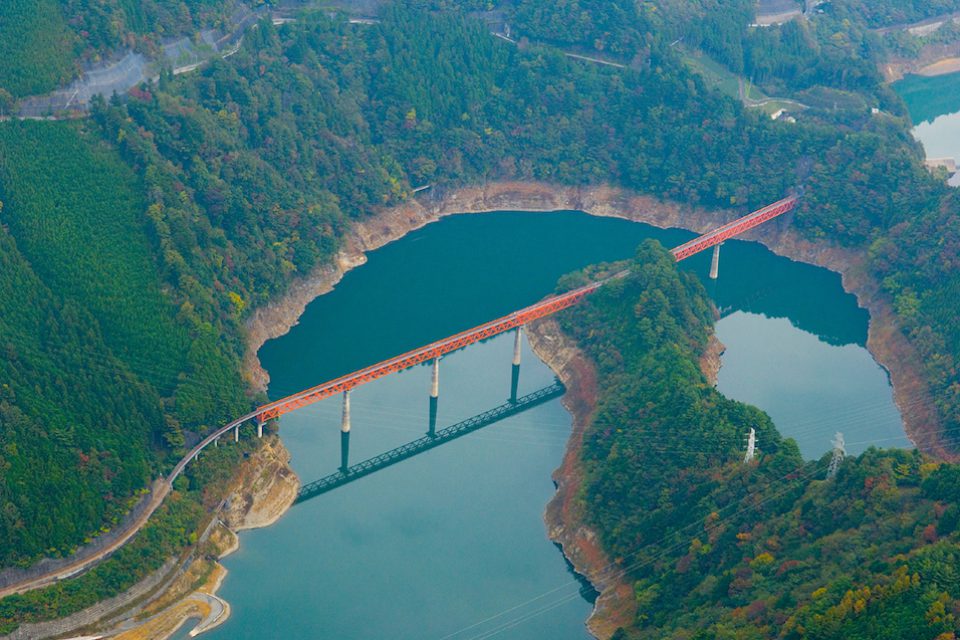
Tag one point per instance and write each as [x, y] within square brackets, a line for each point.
[433, 351]
[734, 228]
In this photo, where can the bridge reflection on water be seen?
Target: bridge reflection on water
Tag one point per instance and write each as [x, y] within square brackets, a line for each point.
[348, 474]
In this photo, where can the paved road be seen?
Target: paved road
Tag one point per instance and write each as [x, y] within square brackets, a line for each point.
[119, 76]
[162, 488]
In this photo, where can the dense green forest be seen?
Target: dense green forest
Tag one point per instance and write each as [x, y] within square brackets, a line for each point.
[104, 25]
[36, 47]
[885, 13]
[144, 235]
[250, 169]
[720, 548]
[101, 372]
[827, 60]
[173, 531]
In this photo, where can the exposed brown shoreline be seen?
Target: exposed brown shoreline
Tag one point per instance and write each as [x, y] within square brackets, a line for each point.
[616, 606]
[263, 489]
[933, 60]
[886, 342]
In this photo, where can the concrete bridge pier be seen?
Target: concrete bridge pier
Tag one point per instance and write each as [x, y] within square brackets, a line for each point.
[345, 433]
[515, 372]
[260, 422]
[236, 433]
[434, 397]
[435, 379]
[715, 262]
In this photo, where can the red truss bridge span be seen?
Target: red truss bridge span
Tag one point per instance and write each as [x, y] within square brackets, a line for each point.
[735, 228]
[430, 352]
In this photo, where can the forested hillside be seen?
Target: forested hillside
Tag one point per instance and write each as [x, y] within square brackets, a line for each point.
[719, 548]
[62, 461]
[248, 171]
[866, 186]
[43, 43]
[37, 48]
[884, 13]
[827, 60]
[146, 234]
[101, 373]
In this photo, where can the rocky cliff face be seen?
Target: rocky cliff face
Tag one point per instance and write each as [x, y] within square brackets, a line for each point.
[268, 488]
[615, 606]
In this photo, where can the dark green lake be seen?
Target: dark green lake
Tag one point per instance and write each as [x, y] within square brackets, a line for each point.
[451, 545]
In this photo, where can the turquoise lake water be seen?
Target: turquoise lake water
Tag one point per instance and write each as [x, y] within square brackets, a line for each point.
[451, 545]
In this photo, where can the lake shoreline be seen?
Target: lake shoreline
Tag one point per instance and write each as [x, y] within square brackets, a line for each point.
[615, 607]
[264, 489]
[942, 66]
[886, 342]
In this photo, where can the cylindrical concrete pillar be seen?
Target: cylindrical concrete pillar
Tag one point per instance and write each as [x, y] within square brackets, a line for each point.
[516, 346]
[345, 422]
[435, 379]
[715, 262]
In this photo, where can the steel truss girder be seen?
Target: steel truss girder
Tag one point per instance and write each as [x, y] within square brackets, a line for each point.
[529, 314]
[427, 353]
[734, 228]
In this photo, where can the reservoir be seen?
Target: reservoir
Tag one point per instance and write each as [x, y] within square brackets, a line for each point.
[934, 106]
[450, 545]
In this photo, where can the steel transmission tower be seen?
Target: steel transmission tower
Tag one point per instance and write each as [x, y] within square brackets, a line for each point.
[751, 445]
[839, 453]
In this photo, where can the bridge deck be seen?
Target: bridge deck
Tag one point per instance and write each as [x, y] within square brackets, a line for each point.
[516, 319]
[734, 228]
[460, 340]
[427, 353]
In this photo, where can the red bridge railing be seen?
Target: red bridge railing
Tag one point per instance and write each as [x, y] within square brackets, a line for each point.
[427, 353]
[734, 228]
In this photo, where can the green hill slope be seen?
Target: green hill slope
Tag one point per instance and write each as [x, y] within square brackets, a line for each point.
[717, 548]
[75, 425]
[36, 47]
[99, 371]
